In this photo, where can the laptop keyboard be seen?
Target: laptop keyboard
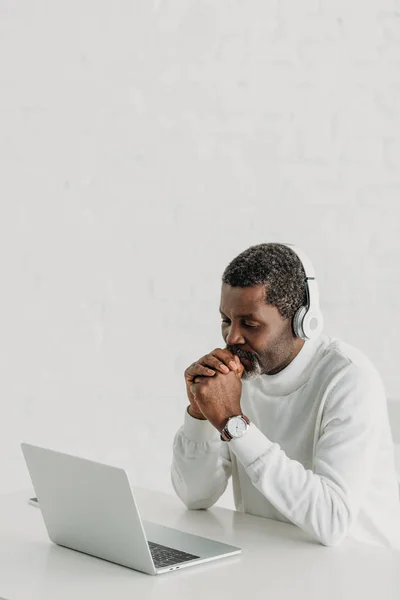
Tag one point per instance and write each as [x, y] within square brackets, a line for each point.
[163, 556]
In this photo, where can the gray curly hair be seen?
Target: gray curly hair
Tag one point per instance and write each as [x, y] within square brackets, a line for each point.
[278, 268]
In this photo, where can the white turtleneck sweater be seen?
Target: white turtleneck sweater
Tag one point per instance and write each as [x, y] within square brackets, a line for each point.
[318, 452]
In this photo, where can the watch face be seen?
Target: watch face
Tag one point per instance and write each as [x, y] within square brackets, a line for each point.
[236, 426]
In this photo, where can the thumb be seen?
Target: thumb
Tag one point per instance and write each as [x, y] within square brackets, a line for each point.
[240, 370]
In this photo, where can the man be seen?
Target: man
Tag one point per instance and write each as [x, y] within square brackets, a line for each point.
[300, 424]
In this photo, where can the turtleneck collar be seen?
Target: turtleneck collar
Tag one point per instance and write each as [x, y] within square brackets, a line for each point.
[292, 377]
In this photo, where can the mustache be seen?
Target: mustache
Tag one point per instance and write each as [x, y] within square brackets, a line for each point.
[240, 353]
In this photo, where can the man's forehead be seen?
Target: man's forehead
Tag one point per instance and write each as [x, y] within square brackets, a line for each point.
[243, 301]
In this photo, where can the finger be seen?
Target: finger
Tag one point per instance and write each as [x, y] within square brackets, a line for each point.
[240, 367]
[194, 387]
[226, 356]
[239, 364]
[197, 370]
[214, 363]
[222, 360]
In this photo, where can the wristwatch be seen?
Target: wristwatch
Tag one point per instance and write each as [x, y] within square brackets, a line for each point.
[235, 427]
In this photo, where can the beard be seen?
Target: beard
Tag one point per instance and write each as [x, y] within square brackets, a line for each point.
[250, 361]
[253, 372]
[266, 362]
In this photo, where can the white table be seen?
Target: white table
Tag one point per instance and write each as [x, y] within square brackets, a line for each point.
[278, 561]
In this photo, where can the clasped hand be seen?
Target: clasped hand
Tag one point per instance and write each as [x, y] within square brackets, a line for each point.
[214, 387]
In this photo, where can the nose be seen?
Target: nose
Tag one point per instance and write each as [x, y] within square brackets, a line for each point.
[234, 337]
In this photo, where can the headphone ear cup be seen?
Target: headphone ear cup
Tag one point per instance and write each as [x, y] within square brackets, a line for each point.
[312, 324]
[298, 322]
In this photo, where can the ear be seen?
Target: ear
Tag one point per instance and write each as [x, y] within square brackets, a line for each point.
[290, 326]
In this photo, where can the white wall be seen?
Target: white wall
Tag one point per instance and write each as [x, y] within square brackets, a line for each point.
[142, 146]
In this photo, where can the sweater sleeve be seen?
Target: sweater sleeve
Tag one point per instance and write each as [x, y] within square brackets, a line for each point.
[323, 501]
[201, 464]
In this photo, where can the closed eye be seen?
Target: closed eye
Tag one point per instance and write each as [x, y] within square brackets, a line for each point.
[245, 324]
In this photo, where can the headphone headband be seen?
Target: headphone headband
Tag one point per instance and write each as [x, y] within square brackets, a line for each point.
[306, 262]
[311, 283]
[308, 321]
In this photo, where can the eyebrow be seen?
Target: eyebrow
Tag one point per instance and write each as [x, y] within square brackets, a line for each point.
[248, 316]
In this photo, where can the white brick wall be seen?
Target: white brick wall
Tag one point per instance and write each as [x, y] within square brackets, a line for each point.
[142, 146]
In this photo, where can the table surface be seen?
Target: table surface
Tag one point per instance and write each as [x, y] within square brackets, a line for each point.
[278, 560]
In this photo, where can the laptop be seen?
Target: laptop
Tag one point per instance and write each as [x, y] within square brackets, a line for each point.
[90, 507]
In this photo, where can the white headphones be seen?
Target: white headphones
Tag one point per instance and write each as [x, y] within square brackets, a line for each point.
[308, 320]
